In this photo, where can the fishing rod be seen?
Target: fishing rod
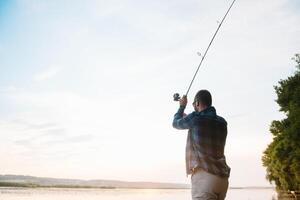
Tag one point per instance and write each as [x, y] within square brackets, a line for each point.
[176, 96]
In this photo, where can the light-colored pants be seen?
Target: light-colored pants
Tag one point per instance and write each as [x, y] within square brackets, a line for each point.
[206, 186]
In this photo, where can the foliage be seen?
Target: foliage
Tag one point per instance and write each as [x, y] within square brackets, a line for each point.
[282, 156]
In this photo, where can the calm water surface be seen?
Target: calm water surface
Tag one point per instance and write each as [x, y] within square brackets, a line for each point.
[123, 194]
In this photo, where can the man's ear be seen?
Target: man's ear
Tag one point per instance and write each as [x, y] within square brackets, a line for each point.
[197, 103]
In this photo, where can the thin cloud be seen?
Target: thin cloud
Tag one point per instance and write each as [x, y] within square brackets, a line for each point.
[81, 138]
[72, 140]
[7, 89]
[34, 126]
[45, 135]
[237, 115]
[24, 142]
[47, 74]
[54, 132]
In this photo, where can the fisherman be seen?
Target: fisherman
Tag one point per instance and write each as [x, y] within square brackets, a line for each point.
[205, 159]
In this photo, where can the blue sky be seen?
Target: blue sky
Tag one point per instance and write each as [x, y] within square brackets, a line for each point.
[86, 88]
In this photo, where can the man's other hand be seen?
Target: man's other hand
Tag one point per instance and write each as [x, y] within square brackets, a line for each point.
[183, 101]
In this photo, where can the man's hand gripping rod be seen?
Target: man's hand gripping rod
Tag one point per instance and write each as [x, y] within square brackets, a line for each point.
[176, 96]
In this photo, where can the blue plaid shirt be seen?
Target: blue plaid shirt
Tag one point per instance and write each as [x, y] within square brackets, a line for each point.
[206, 140]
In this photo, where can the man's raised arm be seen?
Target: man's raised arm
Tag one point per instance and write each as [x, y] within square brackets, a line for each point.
[180, 121]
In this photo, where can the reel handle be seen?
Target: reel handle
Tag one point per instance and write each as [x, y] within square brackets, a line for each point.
[176, 97]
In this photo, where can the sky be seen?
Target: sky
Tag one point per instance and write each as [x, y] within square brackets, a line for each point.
[86, 86]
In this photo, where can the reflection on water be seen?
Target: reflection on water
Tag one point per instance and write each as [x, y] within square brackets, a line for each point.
[123, 194]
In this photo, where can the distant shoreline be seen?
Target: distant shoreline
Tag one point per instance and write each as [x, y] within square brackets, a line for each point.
[28, 185]
[9, 180]
[21, 181]
[33, 185]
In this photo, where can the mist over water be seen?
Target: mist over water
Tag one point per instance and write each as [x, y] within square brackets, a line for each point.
[124, 194]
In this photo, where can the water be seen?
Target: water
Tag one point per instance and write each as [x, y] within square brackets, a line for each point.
[10, 193]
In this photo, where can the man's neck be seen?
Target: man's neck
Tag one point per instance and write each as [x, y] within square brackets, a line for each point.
[203, 108]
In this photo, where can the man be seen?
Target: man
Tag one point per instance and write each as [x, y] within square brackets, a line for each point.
[205, 159]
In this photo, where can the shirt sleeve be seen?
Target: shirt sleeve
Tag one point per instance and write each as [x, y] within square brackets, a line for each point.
[181, 122]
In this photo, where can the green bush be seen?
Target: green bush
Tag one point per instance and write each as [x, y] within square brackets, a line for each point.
[282, 156]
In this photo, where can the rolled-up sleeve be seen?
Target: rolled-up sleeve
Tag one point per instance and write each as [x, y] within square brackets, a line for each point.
[182, 122]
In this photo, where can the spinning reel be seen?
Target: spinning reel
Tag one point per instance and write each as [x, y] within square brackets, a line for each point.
[176, 97]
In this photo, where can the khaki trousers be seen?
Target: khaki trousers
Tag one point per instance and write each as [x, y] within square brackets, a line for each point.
[206, 186]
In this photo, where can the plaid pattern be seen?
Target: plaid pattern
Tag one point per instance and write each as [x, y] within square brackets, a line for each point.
[205, 142]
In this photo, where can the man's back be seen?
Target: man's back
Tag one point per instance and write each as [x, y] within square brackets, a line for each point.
[210, 135]
[205, 142]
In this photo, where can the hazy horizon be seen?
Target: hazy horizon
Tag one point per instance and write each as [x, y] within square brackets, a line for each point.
[86, 89]
[14, 178]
